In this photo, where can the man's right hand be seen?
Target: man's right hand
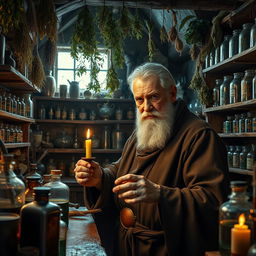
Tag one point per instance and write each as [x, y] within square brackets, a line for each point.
[88, 174]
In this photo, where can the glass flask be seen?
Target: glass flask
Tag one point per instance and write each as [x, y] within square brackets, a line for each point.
[33, 171]
[224, 48]
[246, 85]
[244, 37]
[253, 34]
[229, 213]
[40, 222]
[12, 189]
[216, 92]
[235, 88]
[32, 181]
[224, 90]
[59, 193]
[233, 43]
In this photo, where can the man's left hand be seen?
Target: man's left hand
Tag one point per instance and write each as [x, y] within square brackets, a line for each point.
[136, 189]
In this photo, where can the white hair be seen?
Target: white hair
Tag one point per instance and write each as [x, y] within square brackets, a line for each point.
[152, 69]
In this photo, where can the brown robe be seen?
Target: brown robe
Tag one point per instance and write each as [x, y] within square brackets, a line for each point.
[193, 173]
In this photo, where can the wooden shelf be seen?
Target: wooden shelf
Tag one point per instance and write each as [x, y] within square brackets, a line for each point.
[17, 145]
[13, 117]
[81, 150]
[44, 98]
[238, 135]
[243, 14]
[241, 171]
[243, 106]
[237, 63]
[106, 122]
[13, 79]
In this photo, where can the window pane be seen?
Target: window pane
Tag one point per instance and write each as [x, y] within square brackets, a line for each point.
[104, 56]
[82, 62]
[102, 79]
[64, 75]
[84, 80]
[65, 60]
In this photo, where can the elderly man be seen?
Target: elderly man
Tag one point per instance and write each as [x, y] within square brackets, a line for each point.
[162, 196]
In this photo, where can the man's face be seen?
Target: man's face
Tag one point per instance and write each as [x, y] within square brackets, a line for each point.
[150, 97]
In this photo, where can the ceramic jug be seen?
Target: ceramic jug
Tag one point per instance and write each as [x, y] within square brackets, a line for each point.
[105, 110]
[49, 86]
[73, 89]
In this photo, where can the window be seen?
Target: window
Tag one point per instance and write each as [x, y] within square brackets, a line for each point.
[66, 69]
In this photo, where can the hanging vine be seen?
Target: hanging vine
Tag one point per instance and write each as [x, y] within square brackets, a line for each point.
[151, 44]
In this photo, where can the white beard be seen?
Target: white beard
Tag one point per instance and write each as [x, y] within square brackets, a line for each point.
[152, 134]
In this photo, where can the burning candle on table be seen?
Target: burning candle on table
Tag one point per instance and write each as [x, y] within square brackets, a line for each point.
[88, 144]
[240, 238]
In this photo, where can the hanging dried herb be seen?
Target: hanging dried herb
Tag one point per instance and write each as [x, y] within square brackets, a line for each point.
[163, 32]
[112, 80]
[22, 45]
[194, 51]
[126, 21]
[84, 47]
[151, 44]
[112, 35]
[137, 26]
[37, 76]
[50, 53]
[46, 19]
[178, 45]
[11, 14]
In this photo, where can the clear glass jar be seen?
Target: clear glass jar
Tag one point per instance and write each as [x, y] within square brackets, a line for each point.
[243, 156]
[9, 103]
[253, 34]
[230, 155]
[207, 61]
[233, 43]
[216, 92]
[229, 213]
[224, 48]
[14, 105]
[246, 85]
[57, 113]
[12, 189]
[224, 90]
[42, 112]
[59, 193]
[244, 37]
[250, 158]
[50, 113]
[235, 88]
[228, 125]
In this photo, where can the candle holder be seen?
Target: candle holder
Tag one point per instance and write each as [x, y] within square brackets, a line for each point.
[88, 159]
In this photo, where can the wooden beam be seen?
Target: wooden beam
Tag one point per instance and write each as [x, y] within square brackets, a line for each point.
[211, 5]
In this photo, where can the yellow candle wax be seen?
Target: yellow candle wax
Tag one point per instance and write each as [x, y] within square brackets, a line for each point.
[240, 238]
[88, 145]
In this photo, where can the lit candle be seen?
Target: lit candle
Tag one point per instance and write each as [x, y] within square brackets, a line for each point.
[240, 238]
[88, 144]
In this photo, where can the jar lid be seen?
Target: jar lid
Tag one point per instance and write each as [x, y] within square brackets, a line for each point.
[238, 183]
[56, 172]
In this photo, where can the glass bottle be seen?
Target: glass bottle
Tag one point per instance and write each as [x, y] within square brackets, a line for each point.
[244, 37]
[254, 87]
[106, 138]
[130, 114]
[241, 123]
[42, 113]
[40, 224]
[217, 54]
[23, 107]
[254, 124]
[72, 114]
[236, 157]
[243, 156]
[224, 51]
[82, 114]
[228, 125]
[59, 193]
[64, 114]
[229, 213]
[224, 90]
[253, 34]
[7, 134]
[231, 150]
[216, 92]
[3, 107]
[62, 237]
[235, 124]
[212, 58]
[233, 43]
[29, 105]
[207, 61]
[46, 178]
[250, 158]
[235, 88]
[9, 103]
[32, 181]
[57, 113]
[14, 105]
[50, 113]
[12, 189]
[248, 122]
[33, 171]
[246, 85]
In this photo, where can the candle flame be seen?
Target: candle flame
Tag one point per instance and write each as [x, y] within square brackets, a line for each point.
[241, 219]
[88, 134]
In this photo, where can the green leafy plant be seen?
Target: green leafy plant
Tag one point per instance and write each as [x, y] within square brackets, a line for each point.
[151, 44]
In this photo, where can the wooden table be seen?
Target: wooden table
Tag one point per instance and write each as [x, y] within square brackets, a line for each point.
[83, 238]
